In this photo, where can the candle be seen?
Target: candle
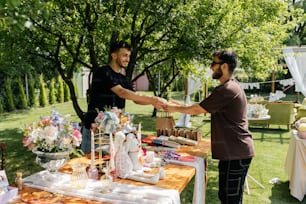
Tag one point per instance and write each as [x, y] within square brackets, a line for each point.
[92, 149]
[92, 171]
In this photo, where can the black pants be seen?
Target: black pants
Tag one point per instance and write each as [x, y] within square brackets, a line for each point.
[232, 175]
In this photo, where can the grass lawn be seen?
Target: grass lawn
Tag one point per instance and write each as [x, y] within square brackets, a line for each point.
[266, 165]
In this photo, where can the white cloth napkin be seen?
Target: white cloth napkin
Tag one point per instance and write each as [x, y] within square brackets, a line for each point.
[120, 193]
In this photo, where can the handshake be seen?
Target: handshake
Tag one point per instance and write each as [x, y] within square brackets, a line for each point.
[161, 103]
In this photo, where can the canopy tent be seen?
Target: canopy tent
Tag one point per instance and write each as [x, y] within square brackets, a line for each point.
[295, 58]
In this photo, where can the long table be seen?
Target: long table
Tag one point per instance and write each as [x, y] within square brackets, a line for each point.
[177, 176]
[295, 166]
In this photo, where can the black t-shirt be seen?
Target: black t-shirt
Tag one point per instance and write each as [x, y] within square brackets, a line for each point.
[102, 97]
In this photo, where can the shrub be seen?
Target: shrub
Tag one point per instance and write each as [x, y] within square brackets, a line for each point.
[1, 105]
[10, 106]
[66, 93]
[22, 99]
[60, 89]
[32, 98]
[42, 92]
[52, 94]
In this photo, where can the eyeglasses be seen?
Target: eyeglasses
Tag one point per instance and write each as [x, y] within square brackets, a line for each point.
[214, 63]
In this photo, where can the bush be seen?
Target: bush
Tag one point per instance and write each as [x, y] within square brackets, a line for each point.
[60, 89]
[22, 99]
[42, 92]
[10, 106]
[1, 105]
[32, 97]
[52, 94]
[66, 93]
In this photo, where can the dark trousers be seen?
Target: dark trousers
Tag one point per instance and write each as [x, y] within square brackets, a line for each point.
[232, 175]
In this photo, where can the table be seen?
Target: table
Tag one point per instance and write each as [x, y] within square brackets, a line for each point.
[177, 177]
[267, 117]
[295, 166]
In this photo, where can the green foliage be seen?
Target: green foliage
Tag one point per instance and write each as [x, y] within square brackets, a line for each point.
[1, 105]
[52, 93]
[167, 36]
[32, 96]
[60, 89]
[298, 34]
[10, 106]
[197, 95]
[43, 100]
[66, 93]
[22, 99]
[75, 90]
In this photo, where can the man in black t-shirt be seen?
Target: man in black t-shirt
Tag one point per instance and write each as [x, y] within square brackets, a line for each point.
[110, 88]
[231, 141]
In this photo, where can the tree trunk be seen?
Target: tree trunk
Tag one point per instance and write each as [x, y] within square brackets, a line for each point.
[74, 100]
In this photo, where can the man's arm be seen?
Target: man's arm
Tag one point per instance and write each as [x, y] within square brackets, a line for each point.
[138, 98]
[193, 109]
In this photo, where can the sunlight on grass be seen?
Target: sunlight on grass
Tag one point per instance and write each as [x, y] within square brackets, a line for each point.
[268, 163]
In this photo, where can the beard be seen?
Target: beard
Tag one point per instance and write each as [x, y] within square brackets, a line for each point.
[122, 64]
[217, 74]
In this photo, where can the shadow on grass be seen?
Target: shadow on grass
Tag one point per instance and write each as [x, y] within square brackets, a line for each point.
[142, 118]
[271, 134]
[18, 114]
[18, 157]
[281, 194]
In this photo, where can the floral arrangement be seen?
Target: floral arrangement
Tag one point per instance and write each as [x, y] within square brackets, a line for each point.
[53, 133]
[256, 99]
[257, 110]
[113, 120]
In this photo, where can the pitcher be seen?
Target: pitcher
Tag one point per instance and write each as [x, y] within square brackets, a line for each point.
[79, 175]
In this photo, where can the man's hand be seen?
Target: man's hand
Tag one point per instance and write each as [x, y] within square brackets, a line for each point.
[171, 107]
[159, 103]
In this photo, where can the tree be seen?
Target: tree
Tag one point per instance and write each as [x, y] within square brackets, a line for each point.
[52, 93]
[298, 34]
[22, 102]
[32, 98]
[9, 95]
[60, 90]
[69, 35]
[43, 99]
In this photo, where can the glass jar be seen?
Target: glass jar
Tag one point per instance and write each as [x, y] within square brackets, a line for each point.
[79, 176]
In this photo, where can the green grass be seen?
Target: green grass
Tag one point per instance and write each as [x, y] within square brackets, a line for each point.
[267, 164]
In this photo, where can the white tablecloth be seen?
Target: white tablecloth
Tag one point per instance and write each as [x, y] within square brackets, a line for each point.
[121, 193]
[295, 166]
[199, 182]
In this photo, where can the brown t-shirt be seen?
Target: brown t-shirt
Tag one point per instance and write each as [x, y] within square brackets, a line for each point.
[230, 137]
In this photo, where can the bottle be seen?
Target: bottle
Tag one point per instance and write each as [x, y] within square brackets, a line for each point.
[18, 180]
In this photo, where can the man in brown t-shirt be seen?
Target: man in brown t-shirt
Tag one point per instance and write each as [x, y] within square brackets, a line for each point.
[231, 141]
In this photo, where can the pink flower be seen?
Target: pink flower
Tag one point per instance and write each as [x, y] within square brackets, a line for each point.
[45, 122]
[77, 137]
[27, 143]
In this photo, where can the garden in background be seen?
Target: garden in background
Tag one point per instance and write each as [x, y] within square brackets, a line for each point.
[266, 165]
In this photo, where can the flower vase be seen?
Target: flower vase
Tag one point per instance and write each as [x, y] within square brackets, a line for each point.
[52, 161]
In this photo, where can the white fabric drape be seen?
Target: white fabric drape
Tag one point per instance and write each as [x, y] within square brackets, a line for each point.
[295, 58]
[192, 86]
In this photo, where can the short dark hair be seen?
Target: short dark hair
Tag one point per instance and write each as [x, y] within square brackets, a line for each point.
[115, 47]
[227, 56]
